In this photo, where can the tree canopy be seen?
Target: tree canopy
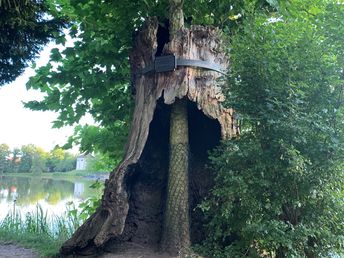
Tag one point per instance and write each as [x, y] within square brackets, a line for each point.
[94, 77]
[25, 27]
[33, 159]
[278, 184]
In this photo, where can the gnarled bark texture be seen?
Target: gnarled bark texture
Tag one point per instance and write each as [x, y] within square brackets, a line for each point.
[133, 203]
[176, 225]
[176, 229]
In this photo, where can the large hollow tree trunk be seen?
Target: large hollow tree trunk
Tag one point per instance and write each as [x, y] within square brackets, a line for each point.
[134, 200]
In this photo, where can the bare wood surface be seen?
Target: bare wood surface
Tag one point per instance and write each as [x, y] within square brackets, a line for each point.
[197, 85]
[176, 238]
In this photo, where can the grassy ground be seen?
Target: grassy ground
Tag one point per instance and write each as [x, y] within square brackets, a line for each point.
[70, 174]
[45, 246]
[36, 231]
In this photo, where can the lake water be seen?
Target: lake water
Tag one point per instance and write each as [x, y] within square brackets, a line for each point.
[53, 195]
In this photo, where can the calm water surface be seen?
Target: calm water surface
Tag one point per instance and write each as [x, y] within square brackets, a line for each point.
[53, 195]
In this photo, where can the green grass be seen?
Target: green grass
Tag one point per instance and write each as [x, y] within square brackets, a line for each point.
[78, 173]
[46, 235]
[46, 247]
[37, 231]
[70, 174]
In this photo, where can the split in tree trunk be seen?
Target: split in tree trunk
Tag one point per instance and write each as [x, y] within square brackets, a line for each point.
[176, 230]
[132, 205]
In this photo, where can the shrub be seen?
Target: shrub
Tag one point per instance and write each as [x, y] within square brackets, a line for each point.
[279, 186]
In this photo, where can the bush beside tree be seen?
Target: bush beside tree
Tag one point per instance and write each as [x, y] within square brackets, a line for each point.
[279, 186]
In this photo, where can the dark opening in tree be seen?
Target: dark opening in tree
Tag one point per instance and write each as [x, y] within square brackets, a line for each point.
[133, 209]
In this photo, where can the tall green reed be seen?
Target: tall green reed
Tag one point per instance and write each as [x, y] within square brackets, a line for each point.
[39, 231]
[38, 222]
[46, 233]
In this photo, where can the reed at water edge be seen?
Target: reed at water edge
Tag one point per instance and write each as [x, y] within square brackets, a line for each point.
[38, 231]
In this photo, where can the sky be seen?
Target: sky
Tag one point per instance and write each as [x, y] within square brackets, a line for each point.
[20, 126]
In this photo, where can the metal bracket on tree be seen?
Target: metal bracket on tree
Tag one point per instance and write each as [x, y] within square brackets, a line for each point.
[170, 63]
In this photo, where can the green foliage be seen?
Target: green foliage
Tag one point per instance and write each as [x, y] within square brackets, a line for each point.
[33, 159]
[25, 27]
[279, 185]
[38, 164]
[60, 161]
[102, 162]
[35, 230]
[279, 188]
[4, 154]
[15, 161]
[89, 206]
[93, 75]
[227, 14]
[86, 208]
[97, 139]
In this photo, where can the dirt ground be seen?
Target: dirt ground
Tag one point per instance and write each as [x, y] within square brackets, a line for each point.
[134, 251]
[11, 251]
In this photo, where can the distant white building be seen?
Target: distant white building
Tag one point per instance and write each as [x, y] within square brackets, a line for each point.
[81, 161]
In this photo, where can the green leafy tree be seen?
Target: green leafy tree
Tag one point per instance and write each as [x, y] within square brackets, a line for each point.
[25, 27]
[39, 158]
[93, 76]
[4, 155]
[92, 138]
[68, 163]
[15, 160]
[285, 78]
[55, 156]
[279, 187]
[26, 159]
[38, 164]
[101, 162]
[33, 159]
[60, 161]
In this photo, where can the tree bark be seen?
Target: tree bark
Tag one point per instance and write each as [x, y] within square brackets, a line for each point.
[176, 231]
[126, 211]
[176, 19]
[176, 234]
